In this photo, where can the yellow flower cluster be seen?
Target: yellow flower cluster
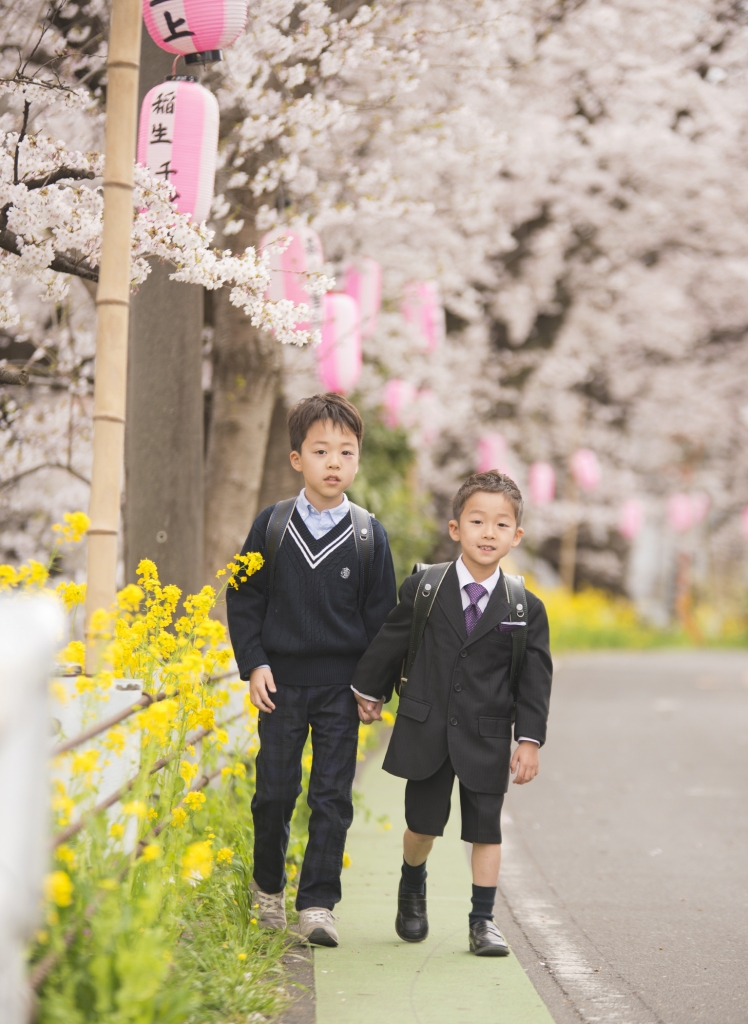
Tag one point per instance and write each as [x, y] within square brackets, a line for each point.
[58, 888]
[73, 527]
[72, 594]
[197, 862]
[31, 576]
[243, 567]
[225, 855]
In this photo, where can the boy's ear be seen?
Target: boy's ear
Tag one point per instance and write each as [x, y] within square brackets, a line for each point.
[295, 461]
[454, 529]
[518, 536]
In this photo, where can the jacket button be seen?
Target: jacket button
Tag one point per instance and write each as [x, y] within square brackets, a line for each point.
[458, 687]
[463, 654]
[453, 721]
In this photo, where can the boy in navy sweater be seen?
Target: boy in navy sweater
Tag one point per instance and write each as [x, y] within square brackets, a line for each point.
[298, 638]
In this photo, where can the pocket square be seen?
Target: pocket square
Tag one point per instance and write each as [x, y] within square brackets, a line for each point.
[509, 627]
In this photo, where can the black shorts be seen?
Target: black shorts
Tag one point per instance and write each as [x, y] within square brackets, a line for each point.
[427, 805]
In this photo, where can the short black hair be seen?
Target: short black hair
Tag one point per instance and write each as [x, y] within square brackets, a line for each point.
[493, 482]
[327, 408]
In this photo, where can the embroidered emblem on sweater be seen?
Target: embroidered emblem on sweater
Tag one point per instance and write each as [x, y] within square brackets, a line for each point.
[345, 573]
[314, 560]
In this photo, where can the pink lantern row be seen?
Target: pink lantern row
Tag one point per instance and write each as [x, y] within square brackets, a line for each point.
[631, 519]
[492, 453]
[339, 352]
[178, 141]
[541, 481]
[406, 406]
[290, 269]
[585, 469]
[363, 282]
[421, 307]
[684, 511]
[194, 26]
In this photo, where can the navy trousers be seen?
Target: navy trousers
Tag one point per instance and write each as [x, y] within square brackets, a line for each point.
[332, 714]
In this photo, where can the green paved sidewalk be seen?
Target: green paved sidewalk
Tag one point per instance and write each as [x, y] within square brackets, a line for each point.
[373, 977]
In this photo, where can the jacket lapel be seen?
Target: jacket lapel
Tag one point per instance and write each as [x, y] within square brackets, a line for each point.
[450, 602]
[496, 611]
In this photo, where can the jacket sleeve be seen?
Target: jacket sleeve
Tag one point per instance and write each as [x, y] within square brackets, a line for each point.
[382, 596]
[246, 607]
[379, 668]
[534, 688]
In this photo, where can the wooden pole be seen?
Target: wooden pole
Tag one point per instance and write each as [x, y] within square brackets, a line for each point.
[112, 304]
[568, 555]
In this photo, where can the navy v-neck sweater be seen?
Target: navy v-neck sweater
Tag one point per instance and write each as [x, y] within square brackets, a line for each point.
[314, 631]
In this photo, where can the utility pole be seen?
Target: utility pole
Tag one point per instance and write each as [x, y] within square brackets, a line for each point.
[112, 304]
[164, 439]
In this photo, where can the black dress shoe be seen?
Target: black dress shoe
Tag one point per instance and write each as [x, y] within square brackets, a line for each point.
[411, 923]
[487, 940]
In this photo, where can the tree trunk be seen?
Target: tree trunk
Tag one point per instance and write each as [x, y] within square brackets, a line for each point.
[279, 479]
[164, 436]
[247, 367]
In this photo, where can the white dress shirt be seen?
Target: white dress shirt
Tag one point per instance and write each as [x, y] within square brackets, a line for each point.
[465, 577]
[319, 523]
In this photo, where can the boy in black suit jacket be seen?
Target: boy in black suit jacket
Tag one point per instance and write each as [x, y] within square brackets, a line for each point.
[456, 712]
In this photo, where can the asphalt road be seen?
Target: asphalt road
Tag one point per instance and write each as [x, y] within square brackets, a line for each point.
[624, 888]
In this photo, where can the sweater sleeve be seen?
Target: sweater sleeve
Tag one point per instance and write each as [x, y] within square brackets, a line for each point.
[382, 596]
[246, 607]
[379, 668]
[534, 687]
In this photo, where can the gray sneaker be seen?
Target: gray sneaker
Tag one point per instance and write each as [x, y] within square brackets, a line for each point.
[316, 926]
[270, 906]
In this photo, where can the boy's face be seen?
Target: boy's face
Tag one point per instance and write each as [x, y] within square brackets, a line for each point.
[328, 461]
[486, 531]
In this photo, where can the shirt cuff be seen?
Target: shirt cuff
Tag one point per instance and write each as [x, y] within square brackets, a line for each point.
[528, 739]
[374, 700]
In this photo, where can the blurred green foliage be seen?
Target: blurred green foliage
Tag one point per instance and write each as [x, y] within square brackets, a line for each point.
[386, 484]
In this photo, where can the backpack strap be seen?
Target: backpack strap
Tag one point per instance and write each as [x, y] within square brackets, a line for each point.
[363, 538]
[280, 517]
[428, 588]
[515, 592]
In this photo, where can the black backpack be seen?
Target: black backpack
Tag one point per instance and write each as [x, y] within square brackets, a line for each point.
[424, 600]
[363, 536]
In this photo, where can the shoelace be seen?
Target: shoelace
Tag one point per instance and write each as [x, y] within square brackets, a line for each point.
[268, 901]
[320, 915]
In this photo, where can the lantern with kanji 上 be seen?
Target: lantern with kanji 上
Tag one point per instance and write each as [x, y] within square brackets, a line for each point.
[339, 352]
[195, 26]
[178, 141]
[294, 255]
[363, 282]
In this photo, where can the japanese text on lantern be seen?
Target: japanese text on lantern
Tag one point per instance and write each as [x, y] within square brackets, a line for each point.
[171, 21]
[161, 133]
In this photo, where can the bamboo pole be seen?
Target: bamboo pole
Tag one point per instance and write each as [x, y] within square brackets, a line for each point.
[112, 304]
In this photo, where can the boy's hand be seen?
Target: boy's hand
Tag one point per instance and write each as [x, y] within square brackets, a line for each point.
[525, 762]
[369, 710]
[260, 684]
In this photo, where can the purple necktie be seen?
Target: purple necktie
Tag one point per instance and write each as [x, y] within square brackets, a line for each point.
[474, 592]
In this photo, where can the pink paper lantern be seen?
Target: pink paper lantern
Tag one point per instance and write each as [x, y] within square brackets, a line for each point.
[700, 503]
[421, 307]
[492, 451]
[542, 483]
[339, 352]
[399, 399]
[290, 270]
[680, 512]
[194, 26]
[428, 416]
[363, 282]
[631, 519]
[585, 469]
[178, 141]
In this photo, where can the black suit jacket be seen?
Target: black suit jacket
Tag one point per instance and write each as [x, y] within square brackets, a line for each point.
[457, 701]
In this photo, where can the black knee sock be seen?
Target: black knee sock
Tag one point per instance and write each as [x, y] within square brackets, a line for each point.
[484, 897]
[414, 878]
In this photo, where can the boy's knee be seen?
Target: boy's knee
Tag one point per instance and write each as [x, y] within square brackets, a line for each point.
[420, 837]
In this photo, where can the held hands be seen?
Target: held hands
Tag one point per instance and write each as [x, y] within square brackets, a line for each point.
[525, 762]
[369, 710]
[260, 685]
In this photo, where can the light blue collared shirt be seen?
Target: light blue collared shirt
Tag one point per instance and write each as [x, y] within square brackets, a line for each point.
[320, 523]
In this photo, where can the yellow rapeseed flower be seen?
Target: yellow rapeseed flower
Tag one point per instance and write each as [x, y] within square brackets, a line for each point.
[73, 654]
[33, 575]
[72, 594]
[59, 692]
[388, 718]
[152, 814]
[225, 855]
[116, 831]
[346, 861]
[100, 625]
[85, 761]
[151, 852]
[115, 739]
[73, 527]
[188, 771]
[130, 598]
[197, 862]
[84, 684]
[135, 808]
[65, 854]
[178, 817]
[194, 800]
[58, 888]
[8, 577]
